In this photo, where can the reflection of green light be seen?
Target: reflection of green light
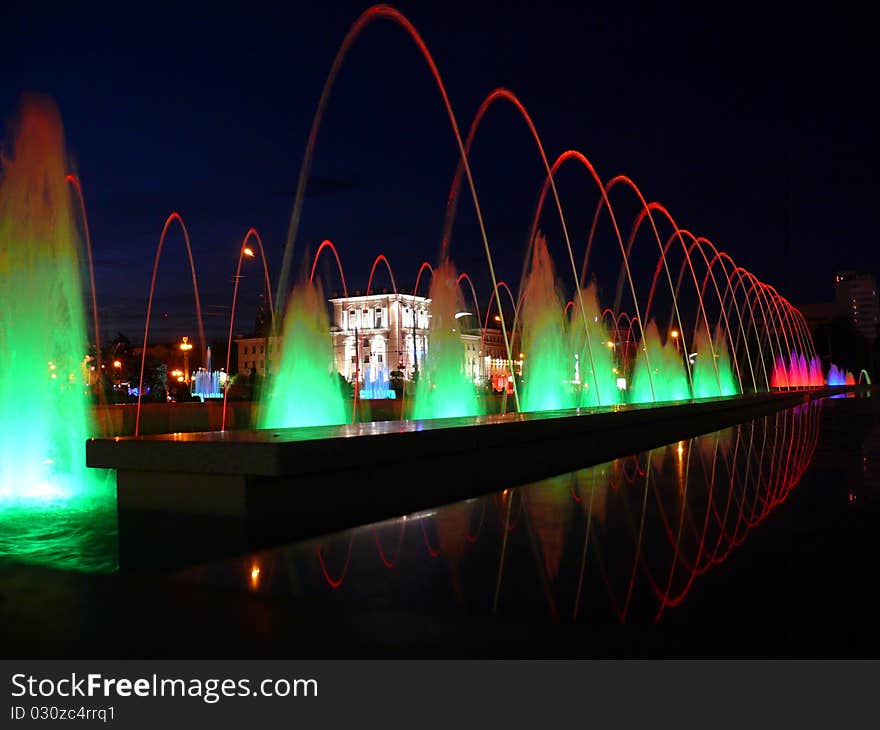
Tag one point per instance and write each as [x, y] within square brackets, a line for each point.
[444, 390]
[53, 510]
[305, 390]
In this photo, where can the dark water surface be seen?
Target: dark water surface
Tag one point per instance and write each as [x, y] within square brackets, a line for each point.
[758, 539]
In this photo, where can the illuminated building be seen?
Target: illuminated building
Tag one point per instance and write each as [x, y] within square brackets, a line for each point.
[856, 293]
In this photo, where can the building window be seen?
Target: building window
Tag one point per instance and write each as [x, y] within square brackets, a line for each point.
[366, 343]
[380, 359]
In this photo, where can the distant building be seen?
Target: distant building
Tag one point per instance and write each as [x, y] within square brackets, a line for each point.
[255, 352]
[379, 332]
[856, 293]
[821, 314]
[389, 332]
[386, 333]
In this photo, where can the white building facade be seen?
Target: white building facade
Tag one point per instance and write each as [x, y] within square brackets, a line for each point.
[377, 336]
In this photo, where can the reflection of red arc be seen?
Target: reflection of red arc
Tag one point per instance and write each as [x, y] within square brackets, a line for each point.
[334, 583]
[385, 561]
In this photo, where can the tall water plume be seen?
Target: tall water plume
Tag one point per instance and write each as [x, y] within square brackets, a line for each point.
[548, 368]
[667, 379]
[713, 379]
[597, 362]
[443, 389]
[305, 391]
[45, 488]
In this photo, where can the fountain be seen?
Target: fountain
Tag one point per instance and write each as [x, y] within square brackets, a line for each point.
[305, 391]
[712, 380]
[836, 376]
[598, 367]
[377, 384]
[570, 359]
[207, 382]
[547, 371]
[443, 389]
[47, 496]
[661, 374]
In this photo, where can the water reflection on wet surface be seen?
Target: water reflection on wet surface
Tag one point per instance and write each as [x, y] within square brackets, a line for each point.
[623, 542]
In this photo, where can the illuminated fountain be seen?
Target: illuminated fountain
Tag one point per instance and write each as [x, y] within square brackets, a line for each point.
[47, 496]
[594, 353]
[207, 382]
[713, 379]
[660, 373]
[836, 376]
[306, 390]
[547, 370]
[443, 387]
[377, 383]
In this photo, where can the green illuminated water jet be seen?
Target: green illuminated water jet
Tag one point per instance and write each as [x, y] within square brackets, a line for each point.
[668, 373]
[709, 383]
[443, 389]
[52, 508]
[306, 389]
[597, 363]
[548, 369]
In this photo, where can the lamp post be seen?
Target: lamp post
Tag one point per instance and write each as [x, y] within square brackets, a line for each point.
[186, 346]
[674, 335]
[247, 251]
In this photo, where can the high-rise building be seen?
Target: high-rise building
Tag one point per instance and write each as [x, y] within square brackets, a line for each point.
[856, 292]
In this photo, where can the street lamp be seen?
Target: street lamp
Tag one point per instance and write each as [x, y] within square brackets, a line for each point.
[246, 250]
[186, 346]
[674, 335]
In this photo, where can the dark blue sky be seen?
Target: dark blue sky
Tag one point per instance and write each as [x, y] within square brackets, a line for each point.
[746, 121]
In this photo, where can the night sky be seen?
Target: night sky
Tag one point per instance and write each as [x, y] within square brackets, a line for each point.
[755, 125]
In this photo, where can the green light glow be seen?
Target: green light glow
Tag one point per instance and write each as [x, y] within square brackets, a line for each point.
[547, 368]
[444, 390]
[707, 382]
[597, 356]
[305, 391]
[668, 372]
[52, 508]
